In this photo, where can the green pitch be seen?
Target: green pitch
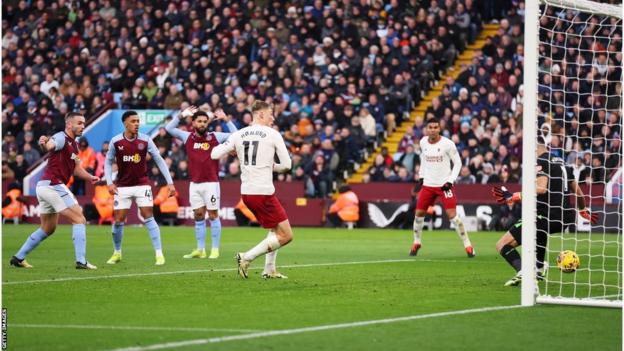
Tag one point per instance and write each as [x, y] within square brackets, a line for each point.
[336, 278]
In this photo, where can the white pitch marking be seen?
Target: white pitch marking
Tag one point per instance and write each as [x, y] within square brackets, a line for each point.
[130, 275]
[177, 344]
[129, 327]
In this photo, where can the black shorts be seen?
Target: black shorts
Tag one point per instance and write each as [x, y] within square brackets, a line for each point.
[543, 228]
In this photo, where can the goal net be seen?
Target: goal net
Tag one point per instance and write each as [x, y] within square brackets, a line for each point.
[573, 104]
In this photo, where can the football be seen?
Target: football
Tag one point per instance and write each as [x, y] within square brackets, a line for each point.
[568, 261]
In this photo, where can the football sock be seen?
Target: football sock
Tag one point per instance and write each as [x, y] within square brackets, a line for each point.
[269, 260]
[33, 241]
[200, 234]
[267, 245]
[118, 229]
[418, 226]
[79, 236]
[511, 255]
[461, 231]
[154, 232]
[215, 232]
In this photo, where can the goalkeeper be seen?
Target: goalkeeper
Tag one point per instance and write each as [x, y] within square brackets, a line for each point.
[554, 184]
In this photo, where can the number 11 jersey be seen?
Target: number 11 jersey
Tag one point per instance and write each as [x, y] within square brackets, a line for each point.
[259, 148]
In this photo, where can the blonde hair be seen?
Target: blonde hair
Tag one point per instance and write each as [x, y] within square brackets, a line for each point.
[259, 105]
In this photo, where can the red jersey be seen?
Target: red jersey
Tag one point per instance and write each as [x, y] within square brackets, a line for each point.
[131, 159]
[62, 160]
[201, 166]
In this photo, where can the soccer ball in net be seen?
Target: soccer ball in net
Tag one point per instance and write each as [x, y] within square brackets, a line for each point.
[568, 261]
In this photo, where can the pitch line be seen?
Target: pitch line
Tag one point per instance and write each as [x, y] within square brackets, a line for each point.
[221, 339]
[129, 327]
[130, 275]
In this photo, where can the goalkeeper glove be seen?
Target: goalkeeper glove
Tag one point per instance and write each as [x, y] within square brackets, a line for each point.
[502, 195]
[447, 186]
[591, 217]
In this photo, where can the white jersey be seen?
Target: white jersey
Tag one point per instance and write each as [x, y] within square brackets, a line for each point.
[261, 150]
[435, 162]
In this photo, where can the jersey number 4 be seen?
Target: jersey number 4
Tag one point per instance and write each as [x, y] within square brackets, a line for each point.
[254, 152]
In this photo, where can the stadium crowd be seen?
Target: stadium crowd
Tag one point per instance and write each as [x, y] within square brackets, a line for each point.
[339, 74]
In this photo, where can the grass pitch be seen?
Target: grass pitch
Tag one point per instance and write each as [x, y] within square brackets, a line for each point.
[336, 278]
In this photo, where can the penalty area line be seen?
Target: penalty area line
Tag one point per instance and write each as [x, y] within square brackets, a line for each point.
[216, 340]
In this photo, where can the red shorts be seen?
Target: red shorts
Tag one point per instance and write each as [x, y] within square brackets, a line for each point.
[267, 209]
[428, 195]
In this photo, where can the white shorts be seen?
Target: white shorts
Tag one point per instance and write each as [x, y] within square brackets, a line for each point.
[142, 194]
[206, 194]
[54, 198]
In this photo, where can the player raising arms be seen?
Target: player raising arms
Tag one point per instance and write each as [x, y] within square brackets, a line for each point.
[204, 190]
[129, 150]
[555, 185]
[53, 195]
[436, 179]
[261, 150]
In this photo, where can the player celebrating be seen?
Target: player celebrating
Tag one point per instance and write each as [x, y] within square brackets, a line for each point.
[129, 150]
[53, 195]
[554, 185]
[204, 190]
[261, 150]
[436, 179]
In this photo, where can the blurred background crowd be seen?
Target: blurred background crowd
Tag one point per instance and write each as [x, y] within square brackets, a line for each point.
[341, 75]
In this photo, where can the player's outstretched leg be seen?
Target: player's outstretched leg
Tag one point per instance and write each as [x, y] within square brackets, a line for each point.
[19, 259]
[215, 236]
[200, 236]
[154, 233]
[278, 237]
[419, 222]
[117, 233]
[463, 235]
[269, 244]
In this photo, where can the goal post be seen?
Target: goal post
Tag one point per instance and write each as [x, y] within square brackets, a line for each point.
[573, 97]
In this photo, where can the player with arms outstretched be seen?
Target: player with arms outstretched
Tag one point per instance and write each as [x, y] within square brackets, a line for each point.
[262, 151]
[204, 190]
[129, 150]
[53, 195]
[555, 185]
[436, 180]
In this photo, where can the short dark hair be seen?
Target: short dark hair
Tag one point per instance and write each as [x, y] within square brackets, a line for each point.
[200, 114]
[259, 105]
[432, 120]
[128, 114]
[71, 115]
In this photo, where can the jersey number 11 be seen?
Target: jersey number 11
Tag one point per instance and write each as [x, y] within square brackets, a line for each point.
[254, 152]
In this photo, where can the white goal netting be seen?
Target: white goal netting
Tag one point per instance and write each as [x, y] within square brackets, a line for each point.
[579, 104]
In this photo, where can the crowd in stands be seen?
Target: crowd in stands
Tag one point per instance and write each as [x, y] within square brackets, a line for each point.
[481, 110]
[339, 74]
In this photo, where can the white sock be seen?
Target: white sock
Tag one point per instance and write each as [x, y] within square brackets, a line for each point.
[269, 261]
[419, 222]
[159, 252]
[461, 231]
[267, 245]
[269, 258]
